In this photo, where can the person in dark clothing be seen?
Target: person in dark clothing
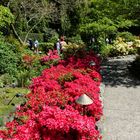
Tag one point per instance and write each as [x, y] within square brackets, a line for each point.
[31, 44]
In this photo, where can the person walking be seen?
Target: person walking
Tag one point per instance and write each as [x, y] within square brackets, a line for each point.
[58, 47]
[36, 45]
[31, 44]
[63, 43]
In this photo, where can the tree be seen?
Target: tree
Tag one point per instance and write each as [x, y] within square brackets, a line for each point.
[28, 14]
[69, 15]
[6, 18]
[105, 19]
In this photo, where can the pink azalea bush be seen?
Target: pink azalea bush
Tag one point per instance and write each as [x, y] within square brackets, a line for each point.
[51, 112]
[52, 55]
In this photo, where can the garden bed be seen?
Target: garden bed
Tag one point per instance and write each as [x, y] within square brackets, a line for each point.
[51, 111]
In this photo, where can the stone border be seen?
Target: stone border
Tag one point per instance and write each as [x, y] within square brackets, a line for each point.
[99, 123]
[102, 90]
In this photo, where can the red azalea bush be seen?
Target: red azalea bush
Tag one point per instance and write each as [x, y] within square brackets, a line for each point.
[51, 112]
[53, 123]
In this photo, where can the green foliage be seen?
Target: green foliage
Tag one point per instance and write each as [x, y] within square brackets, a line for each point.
[50, 36]
[33, 36]
[13, 41]
[6, 17]
[31, 16]
[124, 23]
[105, 22]
[105, 51]
[10, 59]
[23, 78]
[101, 29]
[1, 122]
[6, 79]
[44, 46]
[136, 45]
[75, 39]
[126, 35]
[6, 94]
[120, 47]
[70, 13]
[54, 38]
[73, 49]
[98, 18]
[66, 78]
[30, 67]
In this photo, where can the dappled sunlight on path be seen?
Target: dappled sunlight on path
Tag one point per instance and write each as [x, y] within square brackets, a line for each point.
[115, 73]
[121, 99]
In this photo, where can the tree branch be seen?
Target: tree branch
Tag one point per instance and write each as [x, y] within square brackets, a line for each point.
[25, 39]
[16, 34]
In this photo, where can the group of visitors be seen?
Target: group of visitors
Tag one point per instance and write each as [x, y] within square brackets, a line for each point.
[34, 45]
[60, 45]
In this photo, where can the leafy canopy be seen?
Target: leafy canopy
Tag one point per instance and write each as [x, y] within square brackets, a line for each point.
[6, 17]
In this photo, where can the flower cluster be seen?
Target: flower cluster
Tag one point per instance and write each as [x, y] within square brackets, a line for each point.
[52, 55]
[51, 112]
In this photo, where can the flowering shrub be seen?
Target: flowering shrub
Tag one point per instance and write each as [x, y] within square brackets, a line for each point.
[51, 112]
[52, 56]
[72, 49]
[121, 47]
[28, 59]
[53, 123]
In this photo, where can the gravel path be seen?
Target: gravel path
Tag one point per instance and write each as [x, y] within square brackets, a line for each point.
[121, 120]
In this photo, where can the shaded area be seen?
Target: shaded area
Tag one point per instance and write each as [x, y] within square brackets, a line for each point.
[121, 107]
[115, 72]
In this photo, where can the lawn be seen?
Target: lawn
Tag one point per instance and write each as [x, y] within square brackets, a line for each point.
[7, 107]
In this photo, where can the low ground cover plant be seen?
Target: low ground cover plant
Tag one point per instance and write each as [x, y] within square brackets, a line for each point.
[51, 112]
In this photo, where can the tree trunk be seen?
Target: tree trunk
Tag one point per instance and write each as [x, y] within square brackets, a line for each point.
[16, 35]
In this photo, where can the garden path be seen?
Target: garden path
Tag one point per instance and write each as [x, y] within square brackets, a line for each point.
[121, 98]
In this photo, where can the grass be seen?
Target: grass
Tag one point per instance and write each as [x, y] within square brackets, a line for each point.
[6, 94]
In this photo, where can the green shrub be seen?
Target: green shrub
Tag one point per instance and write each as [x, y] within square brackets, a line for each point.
[75, 39]
[6, 79]
[121, 47]
[1, 122]
[106, 50]
[13, 41]
[136, 44]
[23, 78]
[33, 36]
[126, 35]
[50, 36]
[46, 46]
[73, 49]
[6, 95]
[54, 38]
[66, 78]
[10, 59]
[29, 68]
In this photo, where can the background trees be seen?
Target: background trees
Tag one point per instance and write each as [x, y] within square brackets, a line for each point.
[28, 15]
[105, 19]
[6, 18]
[98, 18]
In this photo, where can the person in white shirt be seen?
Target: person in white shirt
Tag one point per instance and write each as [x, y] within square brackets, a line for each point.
[36, 45]
[58, 46]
